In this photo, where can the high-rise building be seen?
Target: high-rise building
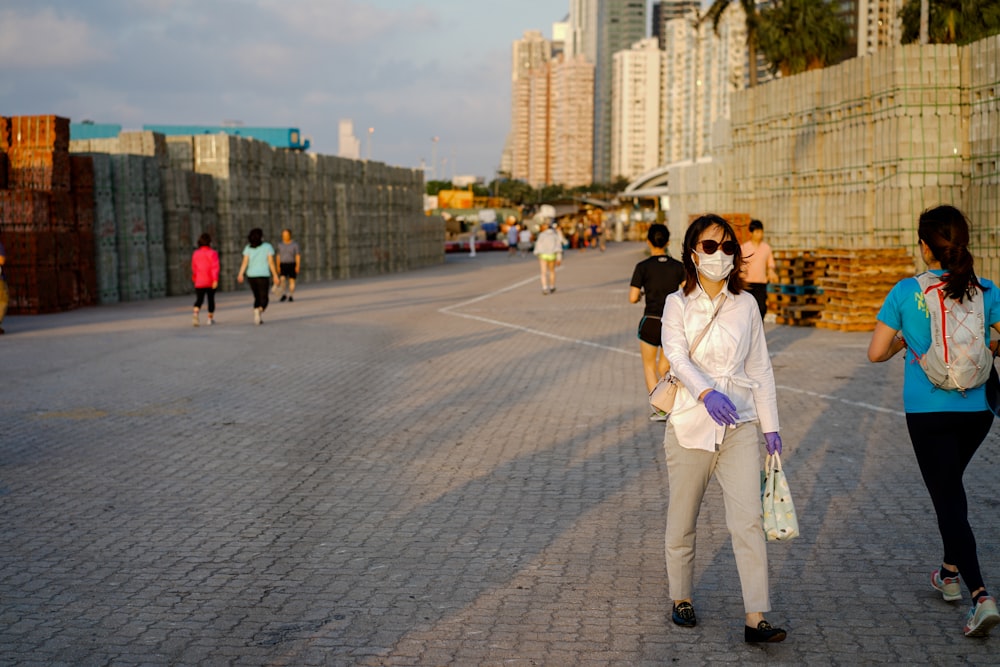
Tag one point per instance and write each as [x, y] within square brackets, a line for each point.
[668, 10]
[348, 145]
[620, 23]
[581, 36]
[636, 113]
[571, 133]
[539, 166]
[530, 57]
[703, 66]
[878, 25]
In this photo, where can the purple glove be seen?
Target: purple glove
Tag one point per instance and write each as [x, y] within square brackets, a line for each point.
[772, 441]
[720, 408]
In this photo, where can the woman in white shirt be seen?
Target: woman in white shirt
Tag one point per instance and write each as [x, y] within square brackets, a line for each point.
[728, 385]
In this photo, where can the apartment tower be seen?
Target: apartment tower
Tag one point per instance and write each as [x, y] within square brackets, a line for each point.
[636, 113]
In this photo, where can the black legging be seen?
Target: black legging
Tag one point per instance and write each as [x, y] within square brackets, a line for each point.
[201, 293]
[260, 288]
[944, 443]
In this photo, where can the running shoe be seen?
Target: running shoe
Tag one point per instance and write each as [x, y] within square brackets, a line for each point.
[658, 416]
[949, 587]
[983, 616]
[211, 321]
[194, 321]
[256, 316]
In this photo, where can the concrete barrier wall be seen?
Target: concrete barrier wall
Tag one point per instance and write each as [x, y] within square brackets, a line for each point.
[849, 156]
[351, 218]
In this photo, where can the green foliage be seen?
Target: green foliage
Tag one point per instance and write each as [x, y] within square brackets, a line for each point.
[796, 35]
[434, 187]
[952, 21]
[714, 14]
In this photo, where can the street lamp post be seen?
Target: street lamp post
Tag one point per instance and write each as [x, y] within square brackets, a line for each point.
[434, 146]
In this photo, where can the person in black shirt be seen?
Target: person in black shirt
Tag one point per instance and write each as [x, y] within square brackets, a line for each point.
[657, 277]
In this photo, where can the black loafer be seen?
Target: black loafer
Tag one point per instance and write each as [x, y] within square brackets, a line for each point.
[684, 615]
[763, 633]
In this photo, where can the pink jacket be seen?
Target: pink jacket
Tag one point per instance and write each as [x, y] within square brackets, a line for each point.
[204, 267]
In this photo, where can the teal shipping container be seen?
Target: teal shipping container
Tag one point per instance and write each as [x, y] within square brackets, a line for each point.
[278, 137]
[87, 130]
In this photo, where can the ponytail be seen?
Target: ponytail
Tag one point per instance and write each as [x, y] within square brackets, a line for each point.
[945, 231]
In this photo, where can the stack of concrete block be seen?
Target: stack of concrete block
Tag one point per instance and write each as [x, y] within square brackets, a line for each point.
[850, 155]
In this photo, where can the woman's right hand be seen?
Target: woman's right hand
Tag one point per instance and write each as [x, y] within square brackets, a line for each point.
[720, 408]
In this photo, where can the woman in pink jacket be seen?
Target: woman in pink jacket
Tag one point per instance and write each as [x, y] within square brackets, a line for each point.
[205, 273]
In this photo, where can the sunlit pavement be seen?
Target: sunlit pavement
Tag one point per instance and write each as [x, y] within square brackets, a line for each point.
[445, 467]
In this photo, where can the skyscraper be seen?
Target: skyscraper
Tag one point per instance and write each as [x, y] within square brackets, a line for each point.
[529, 74]
[668, 10]
[636, 114]
[571, 133]
[620, 23]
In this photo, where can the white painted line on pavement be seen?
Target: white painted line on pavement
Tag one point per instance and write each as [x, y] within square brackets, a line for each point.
[857, 404]
[450, 310]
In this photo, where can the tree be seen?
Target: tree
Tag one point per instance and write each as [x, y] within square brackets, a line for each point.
[800, 35]
[952, 21]
[714, 14]
[434, 187]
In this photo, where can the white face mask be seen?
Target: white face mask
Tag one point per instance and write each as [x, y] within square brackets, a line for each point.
[716, 266]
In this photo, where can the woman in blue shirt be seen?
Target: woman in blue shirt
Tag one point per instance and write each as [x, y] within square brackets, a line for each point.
[258, 265]
[946, 427]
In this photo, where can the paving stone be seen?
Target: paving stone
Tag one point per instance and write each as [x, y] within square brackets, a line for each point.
[442, 467]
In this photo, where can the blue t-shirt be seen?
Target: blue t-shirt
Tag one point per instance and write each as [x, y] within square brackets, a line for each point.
[257, 267]
[905, 310]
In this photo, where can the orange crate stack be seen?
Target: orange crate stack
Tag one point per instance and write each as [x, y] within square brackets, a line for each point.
[46, 224]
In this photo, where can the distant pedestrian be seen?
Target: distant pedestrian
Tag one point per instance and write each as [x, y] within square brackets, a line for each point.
[4, 293]
[946, 427]
[205, 275]
[512, 234]
[727, 389]
[289, 264]
[258, 265]
[596, 233]
[656, 277]
[524, 241]
[758, 265]
[548, 249]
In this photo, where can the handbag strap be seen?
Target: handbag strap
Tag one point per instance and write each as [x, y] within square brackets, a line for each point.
[704, 331]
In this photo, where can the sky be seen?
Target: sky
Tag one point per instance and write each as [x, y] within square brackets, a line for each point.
[410, 69]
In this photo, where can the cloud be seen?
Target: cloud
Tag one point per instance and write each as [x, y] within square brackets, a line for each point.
[46, 40]
[346, 22]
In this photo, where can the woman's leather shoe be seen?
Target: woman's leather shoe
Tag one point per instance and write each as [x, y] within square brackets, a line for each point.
[763, 633]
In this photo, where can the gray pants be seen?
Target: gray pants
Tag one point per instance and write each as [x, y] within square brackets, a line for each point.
[737, 467]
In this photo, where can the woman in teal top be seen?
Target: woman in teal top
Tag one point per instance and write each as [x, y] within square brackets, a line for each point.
[258, 265]
[946, 427]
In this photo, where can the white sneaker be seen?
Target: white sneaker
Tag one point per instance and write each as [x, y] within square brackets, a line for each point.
[982, 618]
[256, 316]
[194, 321]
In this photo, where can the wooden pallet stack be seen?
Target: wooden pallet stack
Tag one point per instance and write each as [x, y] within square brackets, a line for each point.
[856, 283]
[797, 298]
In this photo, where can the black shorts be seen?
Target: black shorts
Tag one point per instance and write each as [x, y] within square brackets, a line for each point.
[288, 270]
[649, 330]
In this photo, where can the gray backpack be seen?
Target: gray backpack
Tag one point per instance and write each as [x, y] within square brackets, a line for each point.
[959, 357]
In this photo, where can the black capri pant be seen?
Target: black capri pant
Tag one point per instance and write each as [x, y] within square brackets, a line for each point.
[201, 293]
[260, 287]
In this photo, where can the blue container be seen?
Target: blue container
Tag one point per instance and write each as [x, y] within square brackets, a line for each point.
[278, 137]
[93, 131]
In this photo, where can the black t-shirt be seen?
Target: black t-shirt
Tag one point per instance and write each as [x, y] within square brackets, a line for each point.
[659, 276]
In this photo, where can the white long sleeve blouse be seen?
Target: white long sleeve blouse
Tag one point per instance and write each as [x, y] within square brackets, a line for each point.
[732, 359]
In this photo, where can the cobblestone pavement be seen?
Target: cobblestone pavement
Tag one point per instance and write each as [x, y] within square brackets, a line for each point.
[436, 468]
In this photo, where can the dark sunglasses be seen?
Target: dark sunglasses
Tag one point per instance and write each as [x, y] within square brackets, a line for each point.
[728, 247]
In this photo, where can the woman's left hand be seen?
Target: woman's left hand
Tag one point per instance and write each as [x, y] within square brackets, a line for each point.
[772, 441]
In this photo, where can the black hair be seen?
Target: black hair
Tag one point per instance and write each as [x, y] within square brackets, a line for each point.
[694, 231]
[255, 237]
[945, 230]
[755, 225]
[204, 240]
[658, 235]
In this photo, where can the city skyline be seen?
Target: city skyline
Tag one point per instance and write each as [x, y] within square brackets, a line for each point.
[411, 69]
